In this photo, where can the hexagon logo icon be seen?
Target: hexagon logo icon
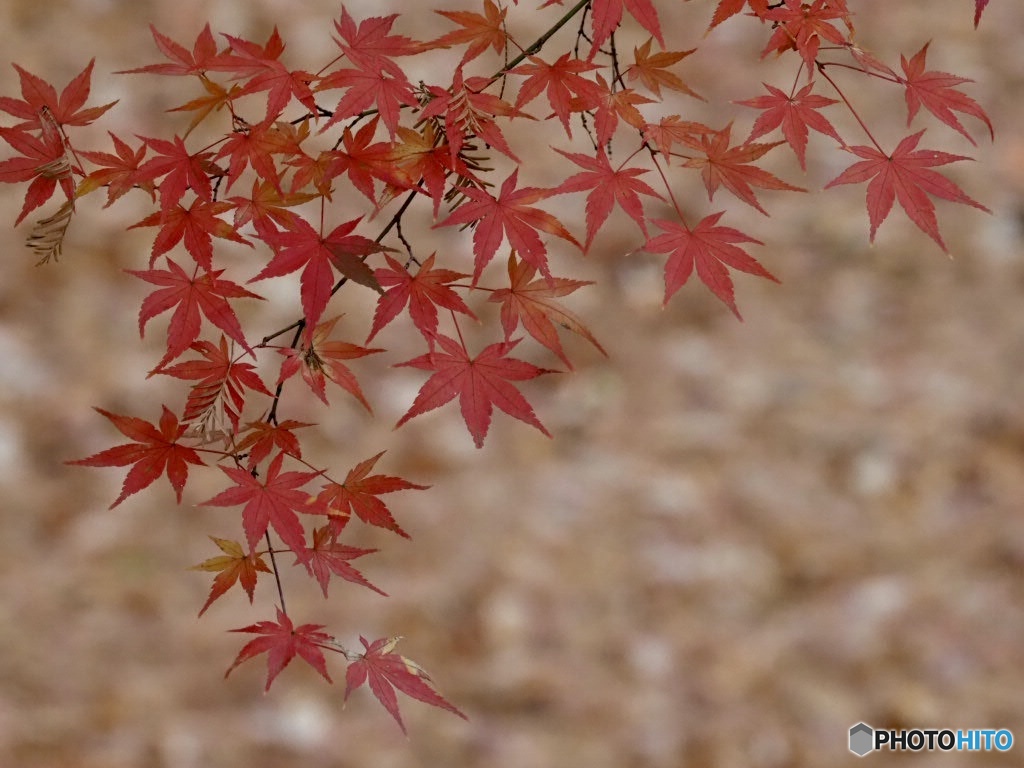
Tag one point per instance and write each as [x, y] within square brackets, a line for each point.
[861, 739]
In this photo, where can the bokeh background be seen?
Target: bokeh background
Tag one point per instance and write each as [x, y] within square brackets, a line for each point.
[743, 538]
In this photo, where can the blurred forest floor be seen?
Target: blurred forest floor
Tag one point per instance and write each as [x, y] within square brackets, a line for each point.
[743, 538]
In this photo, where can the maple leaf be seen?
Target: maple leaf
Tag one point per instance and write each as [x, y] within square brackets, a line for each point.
[273, 502]
[256, 145]
[359, 494]
[480, 383]
[370, 46]
[369, 88]
[616, 104]
[327, 556]
[420, 156]
[673, 130]
[220, 390]
[39, 97]
[729, 8]
[608, 186]
[906, 176]
[936, 92]
[320, 359]
[801, 27]
[119, 172]
[511, 216]
[45, 162]
[197, 225]
[979, 6]
[181, 171]
[262, 437]
[202, 58]
[796, 114]
[282, 641]
[531, 302]
[423, 292]
[234, 566]
[732, 168]
[155, 451]
[607, 16]
[216, 98]
[318, 255]
[385, 671]
[360, 160]
[267, 206]
[653, 73]
[480, 31]
[566, 90]
[711, 249]
[207, 293]
[469, 113]
[263, 71]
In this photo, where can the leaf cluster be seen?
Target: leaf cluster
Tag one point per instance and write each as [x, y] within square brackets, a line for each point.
[286, 167]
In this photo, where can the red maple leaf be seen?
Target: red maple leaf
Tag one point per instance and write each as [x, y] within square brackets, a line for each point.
[673, 130]
[801, 27]
[359, 494]
[155, 451]
[531, 302]
[607, 15]
[566, 90]
[419, 156]
[180, 170]
[234, 566]
[45, 162]
[273, 502]
[729, 8]
[38, 97]
[469, 113]
[733, 168]
[979, 6]
[191, 295]
[936, 92]
[256, 145]
[202, 58]
[424, 292]
[262, 437]
[327, 556]
[119, 172]
[266, 207]
[796, 114]
[613, 105]
[197, 225]
[360, 160]
[385, 671]
[369, 89]
[906, 176]
[282, 641]
[320, 359]
[318, 255]
[477, 30]
[262, 70]
[711, 249]
[371, 46]
[608, 186]
[220, 391]
[510, 215]
[480, 383]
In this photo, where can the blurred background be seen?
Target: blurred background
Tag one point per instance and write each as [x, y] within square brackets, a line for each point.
[743, 538]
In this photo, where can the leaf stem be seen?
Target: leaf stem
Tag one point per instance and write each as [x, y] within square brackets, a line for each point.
[277, 575]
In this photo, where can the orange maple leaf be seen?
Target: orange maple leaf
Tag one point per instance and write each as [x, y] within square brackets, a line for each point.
[231, 567]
